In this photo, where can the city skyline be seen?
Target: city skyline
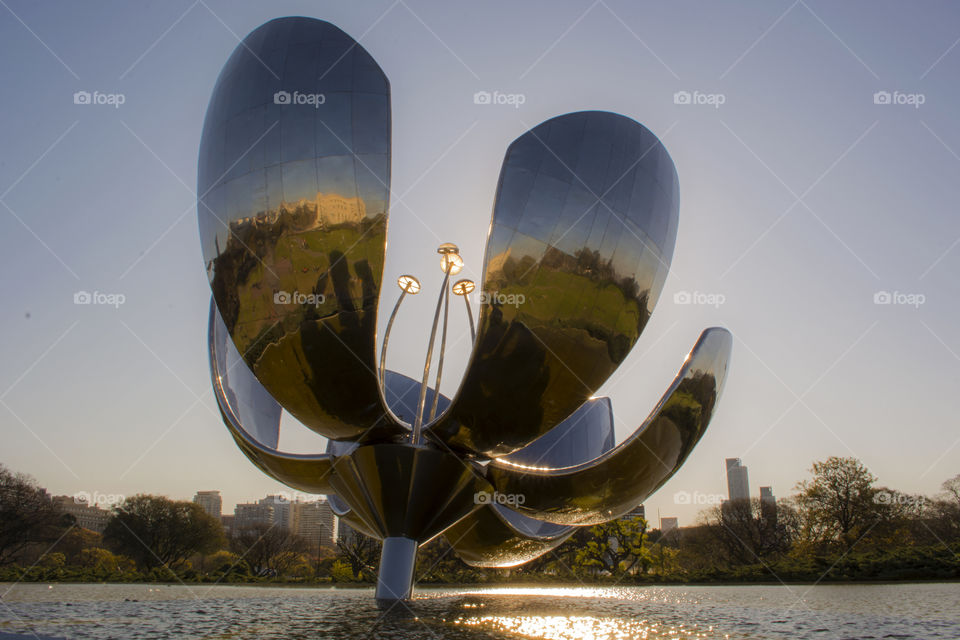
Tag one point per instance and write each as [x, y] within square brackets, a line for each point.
[824, 237]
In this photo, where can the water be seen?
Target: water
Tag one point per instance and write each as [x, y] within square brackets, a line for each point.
[738, 612]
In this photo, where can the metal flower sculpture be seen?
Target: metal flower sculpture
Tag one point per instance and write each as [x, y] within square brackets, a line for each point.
[294, 174]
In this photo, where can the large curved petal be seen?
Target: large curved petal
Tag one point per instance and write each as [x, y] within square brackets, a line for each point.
[498, 537]
[583, 436]
[580, 244]
[240, 398]
[619, 480]
[294, 175]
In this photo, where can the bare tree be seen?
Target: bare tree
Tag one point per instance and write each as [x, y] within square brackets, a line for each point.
[361, 552]
[750, 531]
[265, 547]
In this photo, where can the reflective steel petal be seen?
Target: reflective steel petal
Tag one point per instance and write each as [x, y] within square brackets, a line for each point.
[586, 434]
[294, 176]
[497, 537]
[579, 247]
[241, 398]
[619, 480]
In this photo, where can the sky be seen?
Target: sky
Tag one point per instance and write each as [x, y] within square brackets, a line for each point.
[808, 200]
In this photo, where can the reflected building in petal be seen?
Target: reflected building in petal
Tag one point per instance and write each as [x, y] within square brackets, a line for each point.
[294, 177]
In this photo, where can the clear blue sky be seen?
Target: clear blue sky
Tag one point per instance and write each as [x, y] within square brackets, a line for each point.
[800, 200]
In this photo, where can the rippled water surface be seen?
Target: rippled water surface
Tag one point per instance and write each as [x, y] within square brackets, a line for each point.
[797, 611]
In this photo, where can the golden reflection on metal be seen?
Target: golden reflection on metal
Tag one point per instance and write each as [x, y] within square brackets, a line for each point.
[617, 481]
[293, 217]
[393, 488]
[580, 244]
[486, 538]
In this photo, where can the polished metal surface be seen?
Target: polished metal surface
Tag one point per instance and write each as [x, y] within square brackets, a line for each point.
[498, 536]
[583, 436]
[617, 481]
[580, 244]
[402, 393]
[294, 176]
[253, 417]
[406, 490]
[489, 538]
[398, 557]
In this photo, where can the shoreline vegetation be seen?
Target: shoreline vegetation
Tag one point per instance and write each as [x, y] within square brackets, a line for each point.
[840, 527]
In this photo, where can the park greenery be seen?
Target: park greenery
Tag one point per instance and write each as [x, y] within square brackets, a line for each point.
[840, 525]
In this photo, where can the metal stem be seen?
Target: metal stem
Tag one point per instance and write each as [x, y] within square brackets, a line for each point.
[443, 345]
[386, 338]
[473, 333]
[421, 403]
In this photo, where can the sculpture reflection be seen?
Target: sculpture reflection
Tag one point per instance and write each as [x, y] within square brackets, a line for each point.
[294, 174]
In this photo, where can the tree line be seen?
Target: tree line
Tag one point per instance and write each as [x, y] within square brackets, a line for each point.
[839, 525]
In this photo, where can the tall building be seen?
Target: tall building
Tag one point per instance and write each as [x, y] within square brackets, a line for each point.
[281, 510]
[315, 522]
[227, 522]
[88, 517]
[768, 504]
[669, 524]
[252, 514]
[210, 501]
[767, 497]
[738, 486]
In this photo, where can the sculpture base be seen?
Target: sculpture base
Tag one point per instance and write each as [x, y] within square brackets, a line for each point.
[397, 561]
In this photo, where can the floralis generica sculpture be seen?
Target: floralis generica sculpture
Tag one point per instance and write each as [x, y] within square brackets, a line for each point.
[294, 177]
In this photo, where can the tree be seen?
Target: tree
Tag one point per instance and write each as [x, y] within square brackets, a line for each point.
[616, 546]
[840, 504]
[750, 531]
[362, 553]
[155, 531]
[264, 544]
[102, 562]
[944, 513]
[27, 516]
